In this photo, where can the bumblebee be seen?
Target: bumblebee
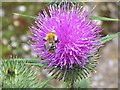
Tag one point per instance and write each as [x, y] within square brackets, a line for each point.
[51, 41]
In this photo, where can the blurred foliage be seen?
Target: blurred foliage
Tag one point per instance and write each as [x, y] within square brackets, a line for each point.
[15, 28]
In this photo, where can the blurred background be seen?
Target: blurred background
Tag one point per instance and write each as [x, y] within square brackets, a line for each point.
[14, 39]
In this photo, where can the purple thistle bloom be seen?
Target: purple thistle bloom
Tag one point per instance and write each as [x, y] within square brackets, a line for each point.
[77, 36]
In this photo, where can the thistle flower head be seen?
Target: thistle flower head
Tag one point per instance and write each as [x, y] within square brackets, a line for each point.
[77, 36]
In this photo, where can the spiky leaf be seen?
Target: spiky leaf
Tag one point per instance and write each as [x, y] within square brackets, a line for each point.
[109, 37]
[103, 18]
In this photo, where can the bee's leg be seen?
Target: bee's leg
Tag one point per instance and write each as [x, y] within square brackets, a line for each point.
[44, 39]
[44, 46]
[47, 47]
[57, 41]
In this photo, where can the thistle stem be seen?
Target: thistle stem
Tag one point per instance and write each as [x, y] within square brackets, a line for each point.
[72, 83]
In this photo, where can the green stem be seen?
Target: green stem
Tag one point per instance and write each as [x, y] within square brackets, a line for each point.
[72, 83]
[72, 80]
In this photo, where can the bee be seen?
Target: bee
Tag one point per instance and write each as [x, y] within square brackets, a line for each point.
[51, 41]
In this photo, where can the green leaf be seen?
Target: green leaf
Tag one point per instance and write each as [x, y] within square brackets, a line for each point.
[103, 18]
[109, 37]
[28, 16]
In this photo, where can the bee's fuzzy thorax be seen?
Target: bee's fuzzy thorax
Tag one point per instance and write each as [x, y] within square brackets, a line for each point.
[51, 36]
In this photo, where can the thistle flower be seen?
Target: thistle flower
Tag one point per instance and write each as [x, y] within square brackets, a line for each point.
[77, 36]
